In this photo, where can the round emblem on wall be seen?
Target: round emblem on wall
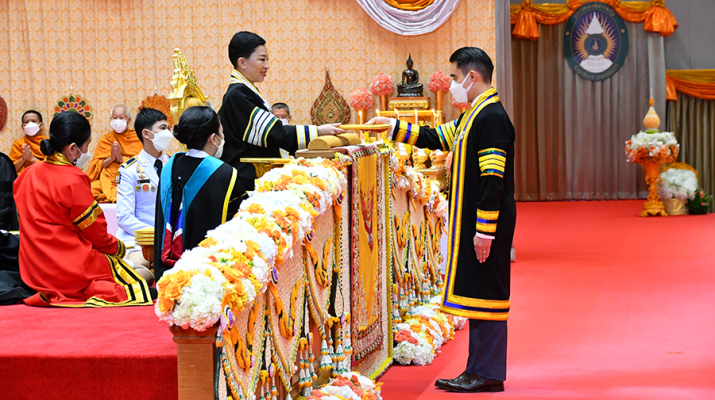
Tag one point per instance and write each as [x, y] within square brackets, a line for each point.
[3, 113]
[595, 41]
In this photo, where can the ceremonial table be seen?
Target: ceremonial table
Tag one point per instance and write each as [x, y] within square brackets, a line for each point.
[333, 295]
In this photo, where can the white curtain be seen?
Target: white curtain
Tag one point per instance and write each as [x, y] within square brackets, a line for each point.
[409, 23]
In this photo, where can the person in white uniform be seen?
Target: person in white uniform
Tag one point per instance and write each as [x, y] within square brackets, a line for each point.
[138, 181]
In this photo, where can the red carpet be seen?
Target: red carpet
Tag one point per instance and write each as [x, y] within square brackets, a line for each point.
[82, 353]
[605, 305]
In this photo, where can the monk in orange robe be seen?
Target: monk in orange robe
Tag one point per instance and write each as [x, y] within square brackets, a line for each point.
[26, 150]
[66, 254]
[112, 150]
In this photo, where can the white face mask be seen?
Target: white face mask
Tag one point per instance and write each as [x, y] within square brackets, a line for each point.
[82, 160]
[219, 152]
[31, 129]
[119, 125]
[459, 93]
[285, 121]
[162, 140]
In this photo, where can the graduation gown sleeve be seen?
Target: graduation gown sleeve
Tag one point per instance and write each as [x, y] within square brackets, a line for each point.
[252, 131]
[439, 138]
[491, 148]
[252, 123]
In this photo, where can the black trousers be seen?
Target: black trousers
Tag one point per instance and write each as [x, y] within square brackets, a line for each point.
[487, 349]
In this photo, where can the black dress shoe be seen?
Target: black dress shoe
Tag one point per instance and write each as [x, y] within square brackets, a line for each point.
[474, 383]
[442, 383]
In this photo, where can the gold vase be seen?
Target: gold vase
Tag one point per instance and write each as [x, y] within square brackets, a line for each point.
[675, 206]
[653, 206]
[439, 97]
[383, 102]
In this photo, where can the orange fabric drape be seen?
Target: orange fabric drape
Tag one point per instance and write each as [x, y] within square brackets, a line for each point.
[409, 5]
[698, 83]
[654, 15]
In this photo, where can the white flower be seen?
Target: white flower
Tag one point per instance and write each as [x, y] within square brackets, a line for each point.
[423, 354]
[658, 140]
[343, 391]
[249, 288]
[365, 382]
[678, 183]
[404, 353]
[200, 304]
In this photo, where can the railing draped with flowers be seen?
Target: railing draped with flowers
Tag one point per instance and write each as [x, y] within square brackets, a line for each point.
[268, 276]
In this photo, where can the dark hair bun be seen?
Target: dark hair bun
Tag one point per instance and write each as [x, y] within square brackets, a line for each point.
[46, 147]
[66, 128]
[196, 126]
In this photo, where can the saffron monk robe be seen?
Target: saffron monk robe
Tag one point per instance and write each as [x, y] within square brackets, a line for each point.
[66, 254]
[112, 150]
[482, 216]
[26, 150]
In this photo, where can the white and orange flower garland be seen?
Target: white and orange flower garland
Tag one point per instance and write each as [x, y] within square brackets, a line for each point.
[422, 334]
[348, 386]
[238, 260]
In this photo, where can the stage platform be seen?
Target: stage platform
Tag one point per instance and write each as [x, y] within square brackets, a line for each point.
[605, 305]
[85, 353]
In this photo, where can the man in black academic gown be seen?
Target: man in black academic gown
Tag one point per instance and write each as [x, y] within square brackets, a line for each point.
[252, 131]
[482, 216]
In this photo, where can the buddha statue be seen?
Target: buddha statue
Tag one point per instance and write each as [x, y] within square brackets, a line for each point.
[410, 86]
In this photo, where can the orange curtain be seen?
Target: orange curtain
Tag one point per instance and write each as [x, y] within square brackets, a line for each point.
[654, 14]
[698, 83]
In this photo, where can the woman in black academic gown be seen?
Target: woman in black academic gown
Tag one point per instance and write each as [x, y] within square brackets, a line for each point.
[252, 131]
[197, 191]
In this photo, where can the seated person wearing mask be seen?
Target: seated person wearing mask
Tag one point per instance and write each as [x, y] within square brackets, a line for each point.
[282, 112]
[197, 192]
[26, 150]
[138, 180]
[66, 254]
[112, 150]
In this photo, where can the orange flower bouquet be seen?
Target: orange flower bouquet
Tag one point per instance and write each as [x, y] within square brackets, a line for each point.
[382, 85]
[361, 99]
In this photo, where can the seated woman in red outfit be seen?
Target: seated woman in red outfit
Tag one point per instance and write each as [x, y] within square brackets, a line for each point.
[66, 254]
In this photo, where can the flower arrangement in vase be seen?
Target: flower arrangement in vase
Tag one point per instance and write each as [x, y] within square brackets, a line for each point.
[382, 85]
[652, 149]
[439, 83]
[361, 100]
[677, 186]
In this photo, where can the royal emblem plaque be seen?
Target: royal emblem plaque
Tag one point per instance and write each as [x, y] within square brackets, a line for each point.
[595, 41]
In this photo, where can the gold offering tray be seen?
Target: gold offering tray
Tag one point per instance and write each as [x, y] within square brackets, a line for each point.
[319, 153]
[364, 127]
[145, 239]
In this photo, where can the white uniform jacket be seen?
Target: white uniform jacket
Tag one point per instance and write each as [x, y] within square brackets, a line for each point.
[137, 185]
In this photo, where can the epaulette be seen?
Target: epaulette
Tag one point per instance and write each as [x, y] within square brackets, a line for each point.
[129, 162]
